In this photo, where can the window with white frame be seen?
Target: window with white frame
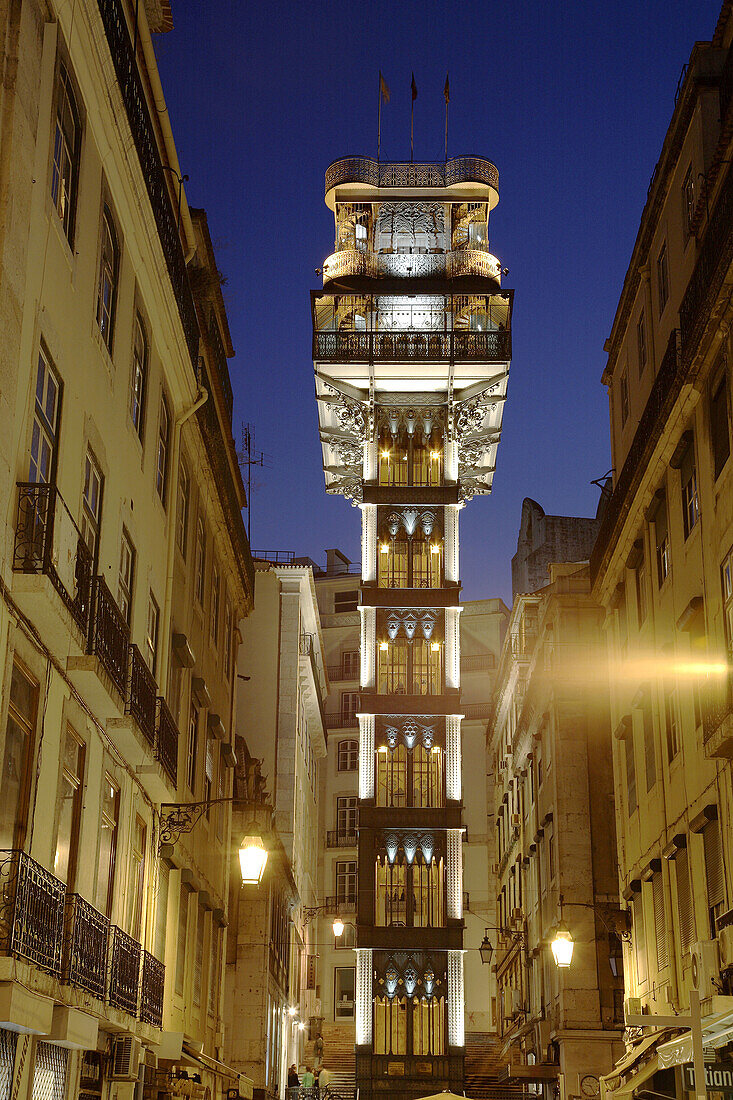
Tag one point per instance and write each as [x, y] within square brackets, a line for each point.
[199, 580]
[139, 374]
[126, 576]
[151, 634]
[66, 150]
[91, 512]
[348, 755]
[44, 430]
[662, 278]
[161, 462]
[109, 264]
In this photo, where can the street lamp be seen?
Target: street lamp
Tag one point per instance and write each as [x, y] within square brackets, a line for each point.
[486, 949]
[338, 927]
[252, 859]
[562, 947]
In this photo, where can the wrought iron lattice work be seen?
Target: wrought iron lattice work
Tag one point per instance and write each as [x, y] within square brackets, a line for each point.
[142, 694]
[86, 946]
[49, 1075]
[31, 911]
[124, 974]
[402, 174]
[712, 264]
[220, 361]
[167, 740]
[109, 635]
[8, 1040]
[341, 347]
[151, 990]
[143, 133]
[48, 541]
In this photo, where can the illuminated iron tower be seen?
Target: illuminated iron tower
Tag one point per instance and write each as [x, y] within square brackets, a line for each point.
[411, 347]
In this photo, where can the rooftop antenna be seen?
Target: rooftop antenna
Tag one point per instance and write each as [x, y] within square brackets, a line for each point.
[250, 457]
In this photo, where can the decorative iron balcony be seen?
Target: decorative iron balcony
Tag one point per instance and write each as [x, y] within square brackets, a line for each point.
[31, 912]
[342, 672]
[142, 694]
[341, 721]
[341, 905]
[492, 346]
[477, 710]
[710, 268]
[109, 635]
[48, 541]
[151, 990]
[124, 972]
[86, 946]
[366, 170]
[351, 262]
[167, 741]
[221, 363]
[342, 838]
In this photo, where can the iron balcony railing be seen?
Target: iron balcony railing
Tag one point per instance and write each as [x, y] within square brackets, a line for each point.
[308, 649]
[48, 541]
[342, 838]
[277, 557]
[31, 911]
[151, 990]
[109, 636]
[464, 169]
[341, 905]
[711, 267]
[717, 705]
[142, 694]
[86, 946]
[220, 360]
[341, 721]
[167, 741]
[493, 346]
[124, 971]
[477, 710]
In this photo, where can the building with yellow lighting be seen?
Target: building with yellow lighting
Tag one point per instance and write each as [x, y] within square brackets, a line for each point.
[663, 570]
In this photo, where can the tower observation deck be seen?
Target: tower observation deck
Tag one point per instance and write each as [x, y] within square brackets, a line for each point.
[411, 349]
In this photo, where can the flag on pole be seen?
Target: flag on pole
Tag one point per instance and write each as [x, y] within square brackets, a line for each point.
[383, 89]
[446, 90]
[413, 88]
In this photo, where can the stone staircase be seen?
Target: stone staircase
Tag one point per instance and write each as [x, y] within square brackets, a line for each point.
[338, 1057]
[483, 1063]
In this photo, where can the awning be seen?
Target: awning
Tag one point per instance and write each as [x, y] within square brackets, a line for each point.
[611, 1082]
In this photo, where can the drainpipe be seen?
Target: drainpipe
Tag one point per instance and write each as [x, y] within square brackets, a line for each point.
[201, 398]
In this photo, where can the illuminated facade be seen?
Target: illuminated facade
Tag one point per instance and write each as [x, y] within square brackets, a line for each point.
[411, 346]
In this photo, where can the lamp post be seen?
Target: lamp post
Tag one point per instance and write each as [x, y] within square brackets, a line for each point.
[311, 911]
[486, 950]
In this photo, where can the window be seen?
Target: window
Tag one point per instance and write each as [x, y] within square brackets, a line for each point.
[161, 910]
[200, 561]
[209, 773]
[193, 733]
[346, 881]
[661, 535]
[228, 638]
[214, 969]
[347, 815]
[714, 873]
[727, 580]
[631, 802]
[68, 809]
[126, 577]
[182, 507]
[349, 707]
[109, 264]
[684, 901]
[139, 375]
[42, 466]
[91, 511]
[624, 398]
[350, 664]
[650, 756]
[151, 635]
[688, 480]
[641, 352]
[345, 601]
[670, 721]
[214, 610]
[348, 756]
[49, 1072]
[109, 825]
[136, 885]
[719, 432]
[182, 939]
[688, 204]
[221, 793]
[662, 278]
[161, 463]
[660, 919]
[641, 595]
[16, 774]
[347, 939]
[637, 909]
[198, 959]
[66, 148]
[344, 990]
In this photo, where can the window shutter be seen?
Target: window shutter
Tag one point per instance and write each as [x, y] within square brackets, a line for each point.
[650, 761]
[713, 864]
[639, 939]
[684, 901]
[210, 759]
[630, 770]
[660, 523]
[660, 919]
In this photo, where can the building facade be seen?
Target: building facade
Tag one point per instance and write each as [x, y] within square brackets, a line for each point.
[125, 568]
[411, 346]
[661, 569]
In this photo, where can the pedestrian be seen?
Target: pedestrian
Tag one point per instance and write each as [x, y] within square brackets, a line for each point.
[308, 1081]
[318, 1047]
[293, 1079]
[324, 1080]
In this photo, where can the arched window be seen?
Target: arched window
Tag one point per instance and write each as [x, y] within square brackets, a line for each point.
[348, 755]
[66, 145]
[109, 266]
[139, 375]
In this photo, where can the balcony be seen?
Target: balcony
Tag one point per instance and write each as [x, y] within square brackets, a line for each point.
[109, 636]
[49, 544]
[342, 721]
[343, 672]
[124, 971]
[151, 990]
[492, 346]
[307, 650]
[85, 947]
[717, 719]
[340, 905]
[32, 912]
[167, 741]
[367, 171]
[142, 695]
[356, 263]
[477, 710]
[342, 838]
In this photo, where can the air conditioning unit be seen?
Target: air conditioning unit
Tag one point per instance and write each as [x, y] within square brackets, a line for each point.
[632, 1007]
[543, 1038]
[125, 1061]
[725, 946]
[705, 971]
[515, 1001]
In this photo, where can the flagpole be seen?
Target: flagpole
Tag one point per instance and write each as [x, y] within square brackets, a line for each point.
[446, 131]
[412, 124]
[379, 116]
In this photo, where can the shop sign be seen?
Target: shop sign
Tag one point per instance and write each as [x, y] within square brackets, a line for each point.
[718, 1077]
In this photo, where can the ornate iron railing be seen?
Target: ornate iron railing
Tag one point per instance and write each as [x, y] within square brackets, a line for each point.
[124, 971]
[478, 662]
[342, 672]
[142, 694]
[449, 265]
[342, 838]
[663, 394]
[366, 170]
[717, 705]
[485, 347]
[151, 990]
[341, 905]
[712, 264]
[48, 541]
[143, 134]
[85, 946]
[220, 361]
[109, 635]
[476, 710]
[341, 721]
[31, 911]
[167, 741]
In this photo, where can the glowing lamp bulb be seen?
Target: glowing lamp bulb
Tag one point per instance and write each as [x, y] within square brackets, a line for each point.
[385, 454]
[435, 455]
[435, 548]
[382, 748]
[384, 548]
[252, 860]
[292, 1010]
[562, 947]
[383, 646]
[338, 927]
[301, 1026]
[435, 748]
[435, 646]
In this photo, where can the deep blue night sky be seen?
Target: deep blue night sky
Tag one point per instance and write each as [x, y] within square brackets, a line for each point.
[571, 101]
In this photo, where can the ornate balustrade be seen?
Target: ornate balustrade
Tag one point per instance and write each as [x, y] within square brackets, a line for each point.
[492, 346]
[86, 943]
[142, 694]
[220, 361]
[31, 911]
[340, 905]
[710, 269]
[341, 721]
[151, 990]
[451, 265]
[477, 710]
[124, 971]
[342, 838]
[366, 170]
[166, 741]
[109, 635]
[48, 541]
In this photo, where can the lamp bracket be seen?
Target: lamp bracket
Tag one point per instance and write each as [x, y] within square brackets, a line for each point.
[181, 817]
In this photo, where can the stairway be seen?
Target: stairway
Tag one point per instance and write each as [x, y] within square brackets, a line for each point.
[483, 1063]
[338, 1057]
